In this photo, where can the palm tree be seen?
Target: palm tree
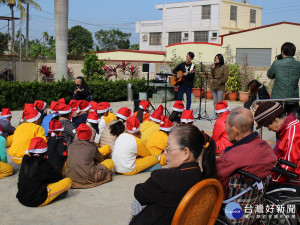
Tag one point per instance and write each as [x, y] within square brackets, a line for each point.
[61, 10]
[45, 37]
[20, 5]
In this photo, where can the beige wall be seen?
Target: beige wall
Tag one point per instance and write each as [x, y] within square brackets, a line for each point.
[269, 37]
[243, 17]
[129, 56]
[203, 52]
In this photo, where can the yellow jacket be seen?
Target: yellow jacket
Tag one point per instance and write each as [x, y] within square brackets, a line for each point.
[148, 128]
[21, 140]
[109, 117]
[156, 144]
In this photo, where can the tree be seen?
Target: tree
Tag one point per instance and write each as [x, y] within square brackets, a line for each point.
[61, 10]
[20, 5]
[135, 47]
[3, 42]
[80, 40]
[112, 39]
[92, 68]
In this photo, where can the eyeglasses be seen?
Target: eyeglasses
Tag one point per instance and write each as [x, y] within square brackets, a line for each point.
[167, 150]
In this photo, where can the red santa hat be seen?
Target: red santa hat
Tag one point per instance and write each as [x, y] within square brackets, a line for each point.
[6, 112]
[55, 125]
[221, 107]
[156, 115]
[1, 131]
[37, 146]
[102, 107]
[165, 124]
[178, 106]
[40, 105]
[187, 116]
[93, 117]
[133, 125]
[84, 132]
[54, 106]
[63, 109]
[73, 104]
[62, 100]
[93, 106]
[83, 105]
[144, 105]
[109, 106]
[124, 113]
[30, 113]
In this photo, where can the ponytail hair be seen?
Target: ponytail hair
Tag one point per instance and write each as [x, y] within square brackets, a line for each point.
[140, 115]
[31, 166]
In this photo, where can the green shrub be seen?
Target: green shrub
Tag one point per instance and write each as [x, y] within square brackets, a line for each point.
[14, 94]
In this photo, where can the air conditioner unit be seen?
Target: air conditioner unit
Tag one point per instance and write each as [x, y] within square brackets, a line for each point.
[145, 37]
[186, 36]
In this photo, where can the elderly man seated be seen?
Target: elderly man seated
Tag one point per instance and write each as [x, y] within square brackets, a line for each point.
[248, 151]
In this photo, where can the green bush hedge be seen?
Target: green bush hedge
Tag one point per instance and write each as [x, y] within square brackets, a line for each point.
[14, 94]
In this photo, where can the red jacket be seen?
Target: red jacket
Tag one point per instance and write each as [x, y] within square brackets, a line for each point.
[251, 154]
[220, 135]
[288, 146]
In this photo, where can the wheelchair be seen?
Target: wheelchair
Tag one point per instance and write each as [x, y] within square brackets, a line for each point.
[279, 204]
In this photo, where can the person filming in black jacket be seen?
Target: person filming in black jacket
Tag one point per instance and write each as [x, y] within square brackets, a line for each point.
[81, 90]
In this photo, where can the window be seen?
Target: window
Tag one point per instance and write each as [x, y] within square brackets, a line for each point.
[214, 35]
[233, 12]
[252, 16]
[201, 36]
[186, 35]
[206, 12]
[174, 37]
[155, 39]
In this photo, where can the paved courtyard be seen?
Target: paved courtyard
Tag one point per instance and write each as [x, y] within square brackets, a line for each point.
[106, 204]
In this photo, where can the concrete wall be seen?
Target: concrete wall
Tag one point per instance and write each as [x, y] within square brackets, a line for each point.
[131, 55]
[268, 37]
[243, 17]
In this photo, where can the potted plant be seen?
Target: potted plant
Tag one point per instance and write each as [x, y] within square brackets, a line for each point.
[198, 92]
[233, 83]
[245, 77]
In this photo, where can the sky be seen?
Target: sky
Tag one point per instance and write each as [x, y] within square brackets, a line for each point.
[122, 14]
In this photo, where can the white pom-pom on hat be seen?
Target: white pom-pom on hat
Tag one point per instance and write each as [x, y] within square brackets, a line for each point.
[52, 134]
[74, 131]
[26, 152]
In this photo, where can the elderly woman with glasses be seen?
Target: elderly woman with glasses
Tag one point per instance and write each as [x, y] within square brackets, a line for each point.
[160, 195]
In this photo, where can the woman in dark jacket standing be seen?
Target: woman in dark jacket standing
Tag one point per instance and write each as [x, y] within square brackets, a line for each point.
[219, 73]
[81, 90]
[163, 191]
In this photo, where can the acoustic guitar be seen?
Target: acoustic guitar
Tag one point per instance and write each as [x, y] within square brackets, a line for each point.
[175, 80]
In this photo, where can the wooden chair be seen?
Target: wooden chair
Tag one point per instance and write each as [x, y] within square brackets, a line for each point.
[200, 205]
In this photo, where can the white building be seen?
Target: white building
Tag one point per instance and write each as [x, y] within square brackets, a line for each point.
[197, 21]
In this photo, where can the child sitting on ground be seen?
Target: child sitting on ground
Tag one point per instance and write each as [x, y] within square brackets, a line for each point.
[25, 132]
[57, 147]
[130, 155]
[39, 183]
[187, 117]
[219, 132]
[7, 129]
[114, 128]
[149, 127]
[142, 114]
[178, 108]
[83, 108]
[157, 142]
[85, 164]
[5, 169]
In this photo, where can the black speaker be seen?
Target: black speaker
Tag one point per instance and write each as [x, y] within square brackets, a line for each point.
[145, 68]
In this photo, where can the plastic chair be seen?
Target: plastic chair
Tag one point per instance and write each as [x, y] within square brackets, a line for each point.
[201, 204]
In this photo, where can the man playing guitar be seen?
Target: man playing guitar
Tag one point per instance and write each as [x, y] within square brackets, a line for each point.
[187, 69]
